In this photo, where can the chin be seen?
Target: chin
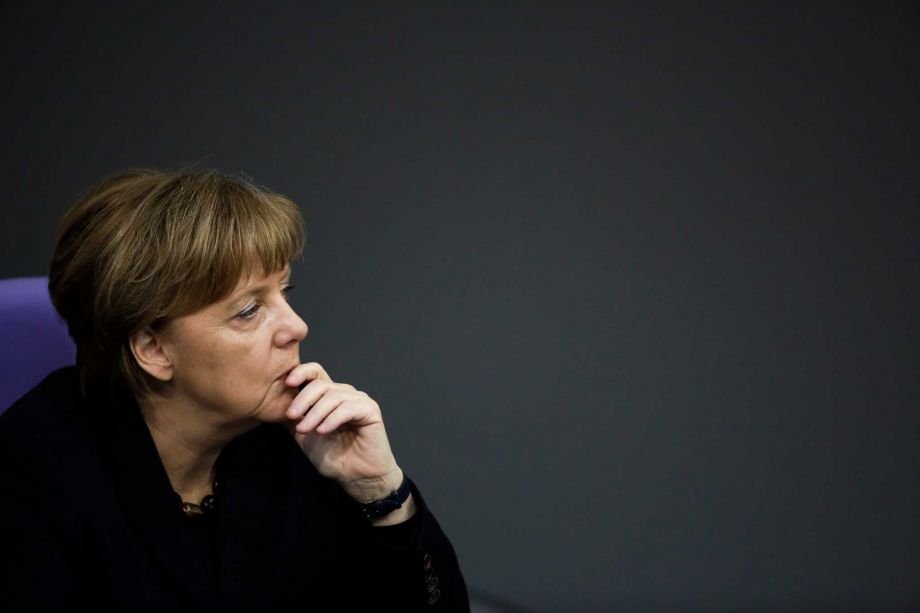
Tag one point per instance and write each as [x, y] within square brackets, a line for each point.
[278, 411]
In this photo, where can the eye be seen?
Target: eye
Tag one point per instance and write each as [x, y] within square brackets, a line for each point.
[250, 312]
[285, 290]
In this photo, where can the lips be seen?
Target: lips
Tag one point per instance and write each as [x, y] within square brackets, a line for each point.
[285, 374]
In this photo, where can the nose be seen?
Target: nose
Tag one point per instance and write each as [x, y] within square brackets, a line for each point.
[293, 329]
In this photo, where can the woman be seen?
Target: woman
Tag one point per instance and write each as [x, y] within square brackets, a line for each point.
[189, 460]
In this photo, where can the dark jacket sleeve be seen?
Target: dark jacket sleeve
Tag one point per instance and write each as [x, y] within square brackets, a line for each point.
[420, 574]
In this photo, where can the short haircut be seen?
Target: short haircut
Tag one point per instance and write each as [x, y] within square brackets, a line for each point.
[143, 246]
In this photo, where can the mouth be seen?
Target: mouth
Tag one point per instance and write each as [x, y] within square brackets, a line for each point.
[285, 374]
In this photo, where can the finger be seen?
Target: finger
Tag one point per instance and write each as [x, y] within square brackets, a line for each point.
[307, 398]
[349, 411]
[320, 411]
[308, 419]
[343, 414]
[303, 402]
[305, 373]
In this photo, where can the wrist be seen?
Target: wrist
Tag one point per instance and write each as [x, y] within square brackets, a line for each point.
[406, 511]
[393, 507]
[374, 488]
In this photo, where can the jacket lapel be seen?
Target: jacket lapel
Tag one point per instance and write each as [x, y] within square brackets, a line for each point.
[253, 483]
[148, 500]
[254, 515]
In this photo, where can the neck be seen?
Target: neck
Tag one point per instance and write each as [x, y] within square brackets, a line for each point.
[188, 444]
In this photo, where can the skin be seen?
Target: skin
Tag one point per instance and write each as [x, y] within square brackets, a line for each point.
[236, 364]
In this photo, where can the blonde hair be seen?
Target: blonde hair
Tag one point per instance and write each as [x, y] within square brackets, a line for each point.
[144, 246]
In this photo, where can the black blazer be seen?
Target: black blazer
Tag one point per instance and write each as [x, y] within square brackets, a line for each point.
[89, 520]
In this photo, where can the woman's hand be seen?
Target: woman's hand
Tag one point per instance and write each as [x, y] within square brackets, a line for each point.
[340, 429]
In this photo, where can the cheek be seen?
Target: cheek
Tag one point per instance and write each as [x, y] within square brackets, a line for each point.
[223, 369]
[230, 370]
[246, 369]
[234, 385]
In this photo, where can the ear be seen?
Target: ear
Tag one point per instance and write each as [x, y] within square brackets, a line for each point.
[150, 353]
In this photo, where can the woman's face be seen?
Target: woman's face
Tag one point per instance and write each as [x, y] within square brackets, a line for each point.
[231, 357]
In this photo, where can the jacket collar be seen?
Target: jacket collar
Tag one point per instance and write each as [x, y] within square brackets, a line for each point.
[251, 487]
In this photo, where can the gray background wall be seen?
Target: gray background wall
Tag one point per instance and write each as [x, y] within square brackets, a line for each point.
[634, 284]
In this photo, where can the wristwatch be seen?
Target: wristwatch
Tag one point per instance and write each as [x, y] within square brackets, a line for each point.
[378, 508]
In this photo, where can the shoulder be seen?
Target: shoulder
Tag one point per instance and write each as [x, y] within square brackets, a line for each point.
[47, 423]
[54, 393]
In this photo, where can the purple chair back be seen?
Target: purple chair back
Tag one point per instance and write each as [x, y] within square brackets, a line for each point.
[33, 339]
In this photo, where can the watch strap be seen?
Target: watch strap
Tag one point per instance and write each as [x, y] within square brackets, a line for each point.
[378, 508]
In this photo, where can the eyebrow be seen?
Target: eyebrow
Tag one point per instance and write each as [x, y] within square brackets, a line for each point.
[261, 288]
